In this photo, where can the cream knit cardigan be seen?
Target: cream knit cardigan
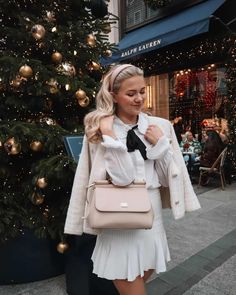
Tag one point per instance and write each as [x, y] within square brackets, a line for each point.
[91, 167]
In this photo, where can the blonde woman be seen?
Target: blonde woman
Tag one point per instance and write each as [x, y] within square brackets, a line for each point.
[123, 141]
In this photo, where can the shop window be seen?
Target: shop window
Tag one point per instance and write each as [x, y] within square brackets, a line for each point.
[137, 17]
[147, 14]
[198, 95]
[137, 12]
[151, 13]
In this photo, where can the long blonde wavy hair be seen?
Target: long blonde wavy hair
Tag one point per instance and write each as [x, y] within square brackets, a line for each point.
[104, 100]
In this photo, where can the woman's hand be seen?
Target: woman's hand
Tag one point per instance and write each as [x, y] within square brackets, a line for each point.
[153, 133]
[106, 126]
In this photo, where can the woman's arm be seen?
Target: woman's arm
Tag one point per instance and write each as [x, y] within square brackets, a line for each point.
[160, 152]
[118, 162]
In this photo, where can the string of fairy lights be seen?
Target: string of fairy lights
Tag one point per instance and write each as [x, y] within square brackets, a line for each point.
[205, 51]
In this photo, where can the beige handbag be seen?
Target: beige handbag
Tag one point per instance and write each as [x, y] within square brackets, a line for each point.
[117, 207]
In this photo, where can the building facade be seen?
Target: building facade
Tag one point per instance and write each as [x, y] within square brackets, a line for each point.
[184, 50]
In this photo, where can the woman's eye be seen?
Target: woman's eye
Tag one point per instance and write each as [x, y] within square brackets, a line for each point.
[130, 94]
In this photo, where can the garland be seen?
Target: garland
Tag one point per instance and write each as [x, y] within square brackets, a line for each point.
[155, 4]
[194, 53]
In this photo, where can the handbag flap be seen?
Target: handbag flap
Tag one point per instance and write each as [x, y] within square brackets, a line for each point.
[133, 198]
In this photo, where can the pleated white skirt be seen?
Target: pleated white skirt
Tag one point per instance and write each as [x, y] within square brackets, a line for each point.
[126, 254]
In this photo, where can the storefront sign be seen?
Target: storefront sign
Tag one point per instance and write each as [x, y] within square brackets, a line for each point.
[140, 48]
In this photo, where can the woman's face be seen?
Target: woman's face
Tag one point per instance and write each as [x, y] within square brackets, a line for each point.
[190, 137]
[130, 99]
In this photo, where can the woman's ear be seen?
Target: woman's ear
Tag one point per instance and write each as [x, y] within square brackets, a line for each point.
[114, 97]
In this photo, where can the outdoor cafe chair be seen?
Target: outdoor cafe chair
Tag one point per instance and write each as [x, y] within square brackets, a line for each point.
[216, 168]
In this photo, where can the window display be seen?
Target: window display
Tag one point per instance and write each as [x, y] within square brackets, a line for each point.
[197, 95]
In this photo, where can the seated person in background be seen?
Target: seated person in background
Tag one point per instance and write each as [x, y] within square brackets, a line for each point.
[203, 138]
[224, 137]
[191, 145]
[212, 149]
[178, 127]
[188, 128]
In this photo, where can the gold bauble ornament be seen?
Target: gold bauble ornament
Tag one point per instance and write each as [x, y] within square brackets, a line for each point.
[62, 247]
[48, 121]
[66, 69]
[37, 198]
[9, 144]
[50, 16]
[53, 86]
[15, 83]
[56, 57]
[80, 94]
[84, 102]
[40, 45]
[41, 182]
[15, 149]
[91, 40]
[36, 146]
[25, 71]
[10, 141]
[38, 32]
[94, 66]
[108, 52]
[12, 147]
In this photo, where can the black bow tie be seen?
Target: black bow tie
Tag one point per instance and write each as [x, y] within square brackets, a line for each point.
[133, 143]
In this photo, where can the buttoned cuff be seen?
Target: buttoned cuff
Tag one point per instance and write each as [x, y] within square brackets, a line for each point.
[109, 142]
[159, 149]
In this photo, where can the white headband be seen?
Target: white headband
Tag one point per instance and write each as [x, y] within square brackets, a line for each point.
[116, 72]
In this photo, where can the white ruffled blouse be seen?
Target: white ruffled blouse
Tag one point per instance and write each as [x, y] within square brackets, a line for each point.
[125, 167]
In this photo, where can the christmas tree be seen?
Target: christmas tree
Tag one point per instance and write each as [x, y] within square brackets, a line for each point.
[49, 75]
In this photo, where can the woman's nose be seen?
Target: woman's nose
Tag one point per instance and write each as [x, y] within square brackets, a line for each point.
[139, 97]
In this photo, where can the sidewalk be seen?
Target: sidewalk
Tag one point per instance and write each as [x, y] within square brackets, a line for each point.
[202, 246]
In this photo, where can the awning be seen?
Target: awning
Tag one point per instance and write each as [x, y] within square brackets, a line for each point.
[188, 23]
